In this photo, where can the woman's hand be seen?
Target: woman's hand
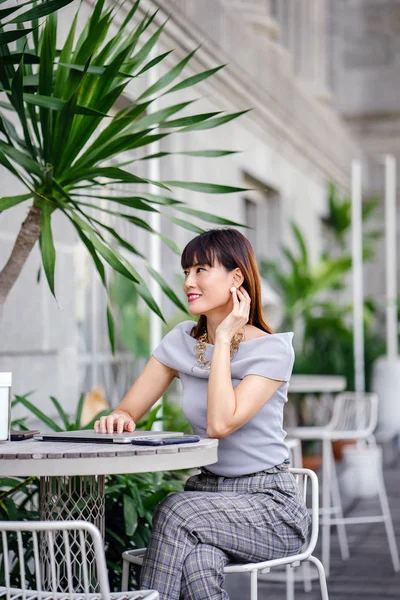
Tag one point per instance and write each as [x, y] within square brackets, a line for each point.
[238, 318]
[117, 421]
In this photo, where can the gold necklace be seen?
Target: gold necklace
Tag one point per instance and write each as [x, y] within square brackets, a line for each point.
[201, 348]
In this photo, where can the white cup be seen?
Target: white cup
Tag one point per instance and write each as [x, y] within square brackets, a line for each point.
[5, 406]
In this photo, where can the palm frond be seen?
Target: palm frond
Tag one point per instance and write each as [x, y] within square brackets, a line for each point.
[69, 130]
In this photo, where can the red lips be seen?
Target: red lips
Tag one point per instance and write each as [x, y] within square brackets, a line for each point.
[192, 297]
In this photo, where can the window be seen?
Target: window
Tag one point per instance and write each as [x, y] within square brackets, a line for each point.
[263, 215]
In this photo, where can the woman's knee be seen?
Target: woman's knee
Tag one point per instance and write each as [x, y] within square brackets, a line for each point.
[204, 557]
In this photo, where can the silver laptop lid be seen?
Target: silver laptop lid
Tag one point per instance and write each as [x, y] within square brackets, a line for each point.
[88, 435]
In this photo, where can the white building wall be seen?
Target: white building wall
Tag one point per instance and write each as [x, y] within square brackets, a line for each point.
[365, 75]
[291, 142]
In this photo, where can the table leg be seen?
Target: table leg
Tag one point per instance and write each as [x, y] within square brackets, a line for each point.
[71, 498]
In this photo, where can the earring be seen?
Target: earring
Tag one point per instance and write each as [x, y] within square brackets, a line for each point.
[233, 289]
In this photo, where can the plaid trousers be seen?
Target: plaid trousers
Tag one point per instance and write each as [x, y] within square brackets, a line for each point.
[217, 520]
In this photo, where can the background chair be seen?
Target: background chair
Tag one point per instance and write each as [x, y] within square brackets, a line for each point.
[303, 477]
[23, 545]
[354, 417]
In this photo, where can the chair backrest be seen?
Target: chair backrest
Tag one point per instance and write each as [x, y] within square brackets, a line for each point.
[295, 452]
[52, 556]
[356, 412]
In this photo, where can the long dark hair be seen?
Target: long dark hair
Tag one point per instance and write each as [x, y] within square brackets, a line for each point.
[232, 250]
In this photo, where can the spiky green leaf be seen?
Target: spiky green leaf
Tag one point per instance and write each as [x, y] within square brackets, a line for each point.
[47, 246]
[207, 217]
[215, 122]
[168, 291]
[205, 188]
[6, 37]
[186, 224]
[61, 412]
[8, 202]
[190, 81]
[44, 9]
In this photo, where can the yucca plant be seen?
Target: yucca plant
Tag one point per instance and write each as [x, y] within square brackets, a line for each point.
[67, 133]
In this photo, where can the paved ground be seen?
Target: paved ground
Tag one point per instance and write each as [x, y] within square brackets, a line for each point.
[367, 575]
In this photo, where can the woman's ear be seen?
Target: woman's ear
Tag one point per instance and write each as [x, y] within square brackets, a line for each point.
[237, 278]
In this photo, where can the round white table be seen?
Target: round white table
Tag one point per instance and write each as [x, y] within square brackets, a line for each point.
[60, 459]
[72, 475]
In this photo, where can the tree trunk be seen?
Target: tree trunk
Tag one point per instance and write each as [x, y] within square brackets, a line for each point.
[27, 237]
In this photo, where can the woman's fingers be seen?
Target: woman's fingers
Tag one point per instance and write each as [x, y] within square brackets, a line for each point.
[130, 426]
[114, 422]
[110, 420]
[244, 300]
[127, 425]
[102, 425]
[244, 304]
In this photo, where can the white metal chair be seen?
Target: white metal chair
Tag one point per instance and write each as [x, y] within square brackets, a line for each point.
[288, 574]
[354, 417]
[44, 539]
[303, 476]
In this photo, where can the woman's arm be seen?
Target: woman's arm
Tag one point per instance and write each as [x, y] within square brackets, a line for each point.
[147, 389]
[229, 408]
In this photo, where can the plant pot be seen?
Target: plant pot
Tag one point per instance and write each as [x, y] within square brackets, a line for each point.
[312, 462]
[339, 445]
[360, 476]
[385, 382]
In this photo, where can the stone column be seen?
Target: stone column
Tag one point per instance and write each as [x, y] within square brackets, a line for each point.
[257, 13]
[303, 31]
[320, 42]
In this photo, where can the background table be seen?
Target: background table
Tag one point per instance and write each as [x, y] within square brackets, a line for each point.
[317, 384]
[72, 474]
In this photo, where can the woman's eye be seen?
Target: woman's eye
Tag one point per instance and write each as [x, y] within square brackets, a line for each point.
[200, 269]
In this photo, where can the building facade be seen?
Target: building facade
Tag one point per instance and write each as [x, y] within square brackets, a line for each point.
[283, 62]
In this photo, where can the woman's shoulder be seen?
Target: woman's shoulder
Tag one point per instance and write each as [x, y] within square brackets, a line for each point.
[254, 333]
[176, 347]
[267, 354]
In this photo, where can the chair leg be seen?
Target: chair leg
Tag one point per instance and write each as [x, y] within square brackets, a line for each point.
[322, 577]
[388, 520]
[125, 575]
[337, 502]
[326, 503]
[289, 583]
[307, 577]
[253, 585]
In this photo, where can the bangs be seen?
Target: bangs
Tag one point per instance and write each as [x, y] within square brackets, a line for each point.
[199, 251]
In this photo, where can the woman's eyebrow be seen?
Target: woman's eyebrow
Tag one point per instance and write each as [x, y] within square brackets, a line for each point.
[196, 265]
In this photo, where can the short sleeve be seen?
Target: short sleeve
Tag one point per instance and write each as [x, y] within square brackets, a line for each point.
[166, 350]
[173, 350]
[273, 357]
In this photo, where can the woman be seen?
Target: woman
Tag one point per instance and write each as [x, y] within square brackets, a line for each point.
[234, 372]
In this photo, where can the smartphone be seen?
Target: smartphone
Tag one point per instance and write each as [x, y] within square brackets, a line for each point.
[18, 436]
[185, 439]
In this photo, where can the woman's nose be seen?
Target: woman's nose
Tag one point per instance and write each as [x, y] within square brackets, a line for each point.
[190, 280]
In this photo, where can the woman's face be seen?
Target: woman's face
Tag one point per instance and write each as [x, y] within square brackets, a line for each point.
[208, 288]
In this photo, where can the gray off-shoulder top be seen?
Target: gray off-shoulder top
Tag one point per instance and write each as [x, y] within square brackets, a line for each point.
[259, 444]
